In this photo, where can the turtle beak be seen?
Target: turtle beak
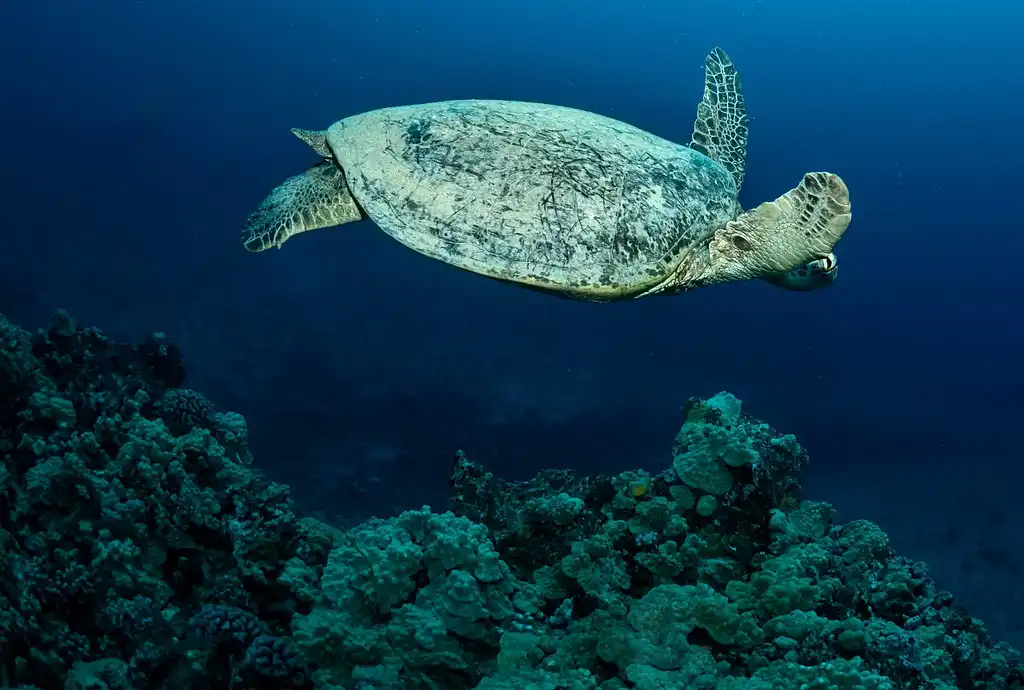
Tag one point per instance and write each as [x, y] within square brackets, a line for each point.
[829, 265]
[813, 275]
[826, 269]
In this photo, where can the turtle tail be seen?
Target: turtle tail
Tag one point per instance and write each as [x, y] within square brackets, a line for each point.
[315, 139]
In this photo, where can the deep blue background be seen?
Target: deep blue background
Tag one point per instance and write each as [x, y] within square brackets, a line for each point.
[136, 137]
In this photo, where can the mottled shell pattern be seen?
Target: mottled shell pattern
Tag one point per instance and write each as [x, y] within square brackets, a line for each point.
[539, 194]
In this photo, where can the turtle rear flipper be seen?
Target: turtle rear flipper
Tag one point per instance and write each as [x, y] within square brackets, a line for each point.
[315, 139]
[318, 198]
[720, 131]
[800, 226]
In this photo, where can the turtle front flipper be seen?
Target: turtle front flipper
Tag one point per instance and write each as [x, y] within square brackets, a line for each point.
[800, 226]
[318, 198]
[720, 131]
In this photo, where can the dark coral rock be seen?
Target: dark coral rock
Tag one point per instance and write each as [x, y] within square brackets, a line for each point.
[526, 536]
[184, 409]
[113, 529]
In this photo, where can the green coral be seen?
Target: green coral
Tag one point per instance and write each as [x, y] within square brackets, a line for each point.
[597, 568]
[539, 679]
[399, 593]
[840, 674]
[712, 442]
[782, 584]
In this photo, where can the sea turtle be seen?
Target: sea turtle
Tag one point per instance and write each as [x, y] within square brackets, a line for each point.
[563, 200]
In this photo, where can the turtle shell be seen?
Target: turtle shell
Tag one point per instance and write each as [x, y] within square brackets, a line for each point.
[552, 197]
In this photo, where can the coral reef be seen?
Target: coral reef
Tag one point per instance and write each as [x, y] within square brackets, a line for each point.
[140, 549]
[132, 527]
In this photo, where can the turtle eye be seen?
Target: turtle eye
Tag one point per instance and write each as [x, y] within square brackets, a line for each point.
[741, 242]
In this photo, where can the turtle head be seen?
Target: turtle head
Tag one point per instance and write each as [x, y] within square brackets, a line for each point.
[789, 241]
[811, 276]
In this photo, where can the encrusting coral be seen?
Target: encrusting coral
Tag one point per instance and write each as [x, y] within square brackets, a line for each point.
[140, 549]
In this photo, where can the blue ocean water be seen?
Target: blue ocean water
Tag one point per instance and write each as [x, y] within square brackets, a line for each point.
[136, 137]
